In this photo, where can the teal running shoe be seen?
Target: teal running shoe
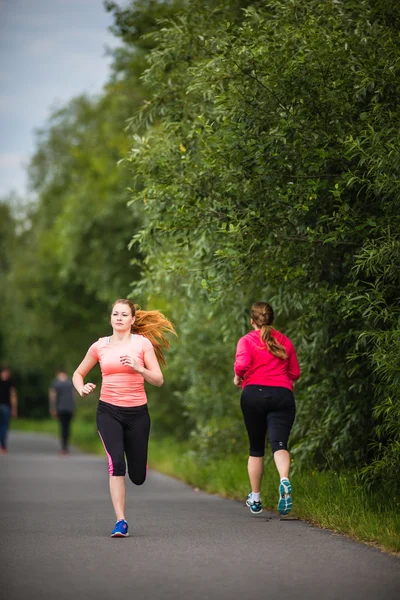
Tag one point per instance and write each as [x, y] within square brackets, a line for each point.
[285, 497]
[120, 529]
[255, 507]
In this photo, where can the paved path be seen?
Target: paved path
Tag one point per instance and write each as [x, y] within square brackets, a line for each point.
[56, 517]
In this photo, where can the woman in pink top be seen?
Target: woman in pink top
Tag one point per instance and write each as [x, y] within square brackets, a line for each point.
[128, 358]
[265, 367]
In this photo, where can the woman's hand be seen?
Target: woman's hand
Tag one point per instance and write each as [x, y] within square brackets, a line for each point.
[87, 389]
[129, 361]
[237, 381]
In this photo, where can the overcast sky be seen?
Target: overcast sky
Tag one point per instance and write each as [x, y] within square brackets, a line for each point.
[50, 51]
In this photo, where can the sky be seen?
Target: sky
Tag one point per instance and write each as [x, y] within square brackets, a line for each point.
[50, 51]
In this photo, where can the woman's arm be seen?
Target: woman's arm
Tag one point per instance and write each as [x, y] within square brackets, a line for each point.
[237, 381]
[84, 389]
[293, 365]
[243, 359]
[151, 371]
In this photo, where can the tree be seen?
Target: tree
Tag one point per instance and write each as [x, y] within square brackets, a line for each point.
[273, 164]
[71, 259]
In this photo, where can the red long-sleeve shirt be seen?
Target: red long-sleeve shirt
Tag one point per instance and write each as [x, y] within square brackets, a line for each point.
[257, 366]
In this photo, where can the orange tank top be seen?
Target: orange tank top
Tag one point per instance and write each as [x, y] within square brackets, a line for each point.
[121, 385]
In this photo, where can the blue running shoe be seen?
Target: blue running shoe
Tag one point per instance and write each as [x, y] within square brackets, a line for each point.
[255, 507]
[285, 499]
[120, 529]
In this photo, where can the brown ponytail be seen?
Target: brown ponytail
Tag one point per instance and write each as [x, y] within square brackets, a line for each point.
[153, 325]
[263, 316]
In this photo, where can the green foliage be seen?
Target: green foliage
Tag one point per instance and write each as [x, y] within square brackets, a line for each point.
[7, 240]
[273, 165]
[71, 260]
[74, 259]
[67, 259]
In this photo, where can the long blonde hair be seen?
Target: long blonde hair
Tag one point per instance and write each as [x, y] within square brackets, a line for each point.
[263, 316]
[153, 325]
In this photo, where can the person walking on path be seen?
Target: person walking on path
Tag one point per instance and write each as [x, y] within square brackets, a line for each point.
[62, 405]
[265, 367]
[8, 406]
[128, 358]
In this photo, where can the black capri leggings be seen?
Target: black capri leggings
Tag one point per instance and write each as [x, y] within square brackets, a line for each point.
[125, 431]
[267, 409]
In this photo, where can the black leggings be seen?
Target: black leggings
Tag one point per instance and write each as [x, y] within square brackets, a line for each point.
[125, 431]
[267, 409]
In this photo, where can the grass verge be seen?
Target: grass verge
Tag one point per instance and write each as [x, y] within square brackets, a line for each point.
[335, 501]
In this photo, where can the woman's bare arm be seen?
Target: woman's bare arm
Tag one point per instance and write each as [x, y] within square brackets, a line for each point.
[151, 371]
[78, 378]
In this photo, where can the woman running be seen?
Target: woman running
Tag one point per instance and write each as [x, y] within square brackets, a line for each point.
[265, 367]
[128, 358]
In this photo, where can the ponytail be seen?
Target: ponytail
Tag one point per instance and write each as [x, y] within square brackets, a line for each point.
[153, 325]
[270, 341]
[263, 316]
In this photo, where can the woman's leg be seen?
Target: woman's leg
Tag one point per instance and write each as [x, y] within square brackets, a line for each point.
[282, 462]
[255, 468]
[280, 420]
[252, 403]
[112, 436]
[279, 426]
[117, 491]
[136, 441]
[280, 423]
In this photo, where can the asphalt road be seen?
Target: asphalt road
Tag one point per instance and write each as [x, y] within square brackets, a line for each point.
[56, 518]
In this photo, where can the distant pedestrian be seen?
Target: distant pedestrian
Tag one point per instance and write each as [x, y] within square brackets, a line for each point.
[128, 358]
[8, 406]
[62, 405]
[265, 367]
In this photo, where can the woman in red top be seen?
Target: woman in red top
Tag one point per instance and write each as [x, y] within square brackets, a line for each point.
[128, 358]
[265, 367]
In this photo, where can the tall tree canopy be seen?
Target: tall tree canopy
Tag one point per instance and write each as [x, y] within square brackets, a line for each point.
[273, 164]
[262, 162]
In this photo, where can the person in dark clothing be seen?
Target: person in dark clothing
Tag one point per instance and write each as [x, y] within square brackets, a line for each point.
[62, 405]
[8, 406]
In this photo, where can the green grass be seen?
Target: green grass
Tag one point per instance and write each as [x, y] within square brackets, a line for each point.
[336, 501]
